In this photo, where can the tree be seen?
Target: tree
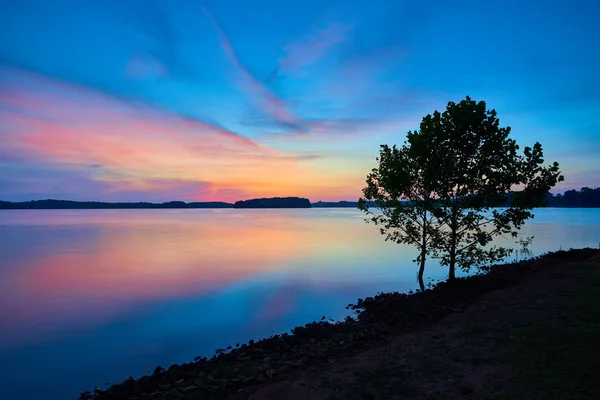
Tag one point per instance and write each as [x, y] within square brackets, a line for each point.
[399, 197]
[478, 168]
[470, 167]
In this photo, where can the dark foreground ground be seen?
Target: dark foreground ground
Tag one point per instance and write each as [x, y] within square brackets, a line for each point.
[528, 330]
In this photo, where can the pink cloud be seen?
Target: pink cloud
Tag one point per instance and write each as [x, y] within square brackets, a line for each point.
[578, 178]
[62, 101]
[131, 149]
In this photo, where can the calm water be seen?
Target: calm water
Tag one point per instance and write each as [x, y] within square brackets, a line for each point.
[89, 297]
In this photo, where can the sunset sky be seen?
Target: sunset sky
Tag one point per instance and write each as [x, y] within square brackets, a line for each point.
[130, 100]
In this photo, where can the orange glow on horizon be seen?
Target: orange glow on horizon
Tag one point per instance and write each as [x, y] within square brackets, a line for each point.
[139, 149]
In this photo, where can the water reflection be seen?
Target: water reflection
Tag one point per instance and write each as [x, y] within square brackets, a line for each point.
[523, 253]
[94, 296]
[105, 269]
[70, 270]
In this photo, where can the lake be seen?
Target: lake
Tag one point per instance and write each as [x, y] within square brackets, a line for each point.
[90, 297]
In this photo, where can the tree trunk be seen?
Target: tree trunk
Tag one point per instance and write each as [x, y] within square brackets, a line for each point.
[451, 266]
[421, 271]
[423, 252]
[453, 229]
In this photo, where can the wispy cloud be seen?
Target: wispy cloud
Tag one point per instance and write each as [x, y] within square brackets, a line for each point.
[311, 48]
[576, 178]
[271, 103]
[142, 66]
[22, 91]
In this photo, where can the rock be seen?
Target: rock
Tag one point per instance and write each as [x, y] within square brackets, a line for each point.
[189, 388]
[173, 394]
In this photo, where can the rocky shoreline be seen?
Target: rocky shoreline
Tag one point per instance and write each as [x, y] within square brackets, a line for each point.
[377, 320]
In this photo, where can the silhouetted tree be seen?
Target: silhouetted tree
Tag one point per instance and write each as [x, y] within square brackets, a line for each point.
[399, 197]
[468, 165]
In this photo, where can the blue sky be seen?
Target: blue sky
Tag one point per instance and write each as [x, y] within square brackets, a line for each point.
[204, 100]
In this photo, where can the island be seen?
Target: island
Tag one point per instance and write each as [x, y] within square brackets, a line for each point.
[274, 202]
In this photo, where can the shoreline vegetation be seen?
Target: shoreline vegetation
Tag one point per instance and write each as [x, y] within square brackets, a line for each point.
[274, 202]
[584, 198]
[369, 356]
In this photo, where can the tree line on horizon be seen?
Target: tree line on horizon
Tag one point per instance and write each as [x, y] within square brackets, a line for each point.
[51, 204]
[273, 202]
[584, 198]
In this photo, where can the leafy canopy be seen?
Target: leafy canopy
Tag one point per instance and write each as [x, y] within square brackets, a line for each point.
[461, 166]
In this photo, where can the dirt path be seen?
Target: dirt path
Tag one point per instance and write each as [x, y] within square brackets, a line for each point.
[539, 339]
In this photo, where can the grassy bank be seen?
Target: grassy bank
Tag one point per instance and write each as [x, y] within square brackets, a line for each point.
[522, 330]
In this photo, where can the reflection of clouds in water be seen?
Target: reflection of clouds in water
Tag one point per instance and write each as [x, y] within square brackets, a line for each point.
[150, 287]
[81, 269]
[91, 277]
[276, 305]
[71, 269]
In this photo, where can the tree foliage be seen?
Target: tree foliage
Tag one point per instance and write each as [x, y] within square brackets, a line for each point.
[456, 170]
[399, 197]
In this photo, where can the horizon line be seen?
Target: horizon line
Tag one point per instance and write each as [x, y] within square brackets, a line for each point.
[179, 201]
[227, 202]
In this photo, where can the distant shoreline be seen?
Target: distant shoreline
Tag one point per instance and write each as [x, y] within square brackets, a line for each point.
[586, 198]
[275, 202]
[92, 205]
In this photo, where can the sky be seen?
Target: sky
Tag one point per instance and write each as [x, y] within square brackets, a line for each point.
[222, 100]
